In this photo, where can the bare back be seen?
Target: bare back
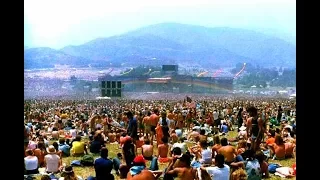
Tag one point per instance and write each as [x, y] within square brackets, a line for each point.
[186, 173]
[145, 174]
[229, 152]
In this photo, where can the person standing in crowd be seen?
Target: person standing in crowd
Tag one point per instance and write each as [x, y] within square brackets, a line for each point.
[255, 128]
[132, 130]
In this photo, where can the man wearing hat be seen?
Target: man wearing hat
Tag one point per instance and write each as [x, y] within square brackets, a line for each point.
[52, 161]
[139, 170]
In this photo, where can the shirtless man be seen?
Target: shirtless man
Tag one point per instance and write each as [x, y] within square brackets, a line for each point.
[194, 134]
[146, 123]
[184, 171]
[111, 136]
[217, 145]
[228, 151]
[147, 149]
[255, 128]
[172, 118]
[278, 149]
[163, 150]
[153, 121]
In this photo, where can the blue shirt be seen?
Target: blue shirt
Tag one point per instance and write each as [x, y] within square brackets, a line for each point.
[224, 128]
[103, 168]
[132, 130]
[95, 146]
[65, 148]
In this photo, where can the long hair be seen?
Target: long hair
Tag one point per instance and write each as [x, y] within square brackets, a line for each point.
[239, 174]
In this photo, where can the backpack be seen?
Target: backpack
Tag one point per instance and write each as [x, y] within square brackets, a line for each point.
[87, 160]
[272, 167]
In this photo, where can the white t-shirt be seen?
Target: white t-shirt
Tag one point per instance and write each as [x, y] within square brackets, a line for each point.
[206, 156]
[52, 161]
[31, 163]
[219, 173]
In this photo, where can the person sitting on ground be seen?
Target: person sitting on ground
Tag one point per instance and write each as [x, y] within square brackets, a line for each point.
[55, 133]
[220, 171]
[103, 166]
[263, 164]
[163, 150]
[40, 152]
[250, 164]
[31, 162]
[228, 151]
[147, 150]
[111, 136]
[173, 136]
[241, 147]
[204, 154]
[217, 145]
[224, 128]
[32, 143]
[175, 162]
[178, 132]
[79, 148]
[95, 145]
[193, 135]
[278, 149]
[68, 174]
[58, 152]
[180, 144]
[52, 161]
[64, 147]
[184, 171]
[242, 135]
[73, 132]
[202, 135]
[290, 148]
[271, 137]
[139, 171]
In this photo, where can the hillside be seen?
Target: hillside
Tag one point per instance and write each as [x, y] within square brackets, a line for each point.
[178, 43]
[48, 58]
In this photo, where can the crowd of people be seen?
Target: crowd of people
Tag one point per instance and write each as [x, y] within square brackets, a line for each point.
[190, 135]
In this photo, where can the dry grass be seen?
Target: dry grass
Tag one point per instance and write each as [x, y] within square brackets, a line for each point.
[84, 172]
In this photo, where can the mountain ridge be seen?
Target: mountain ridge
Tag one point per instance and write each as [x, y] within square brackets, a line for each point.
[177, 43]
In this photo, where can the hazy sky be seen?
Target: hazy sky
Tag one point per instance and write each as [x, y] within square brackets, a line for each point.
[58, 23]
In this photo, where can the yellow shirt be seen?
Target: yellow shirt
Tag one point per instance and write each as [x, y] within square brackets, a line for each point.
[77, 147]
